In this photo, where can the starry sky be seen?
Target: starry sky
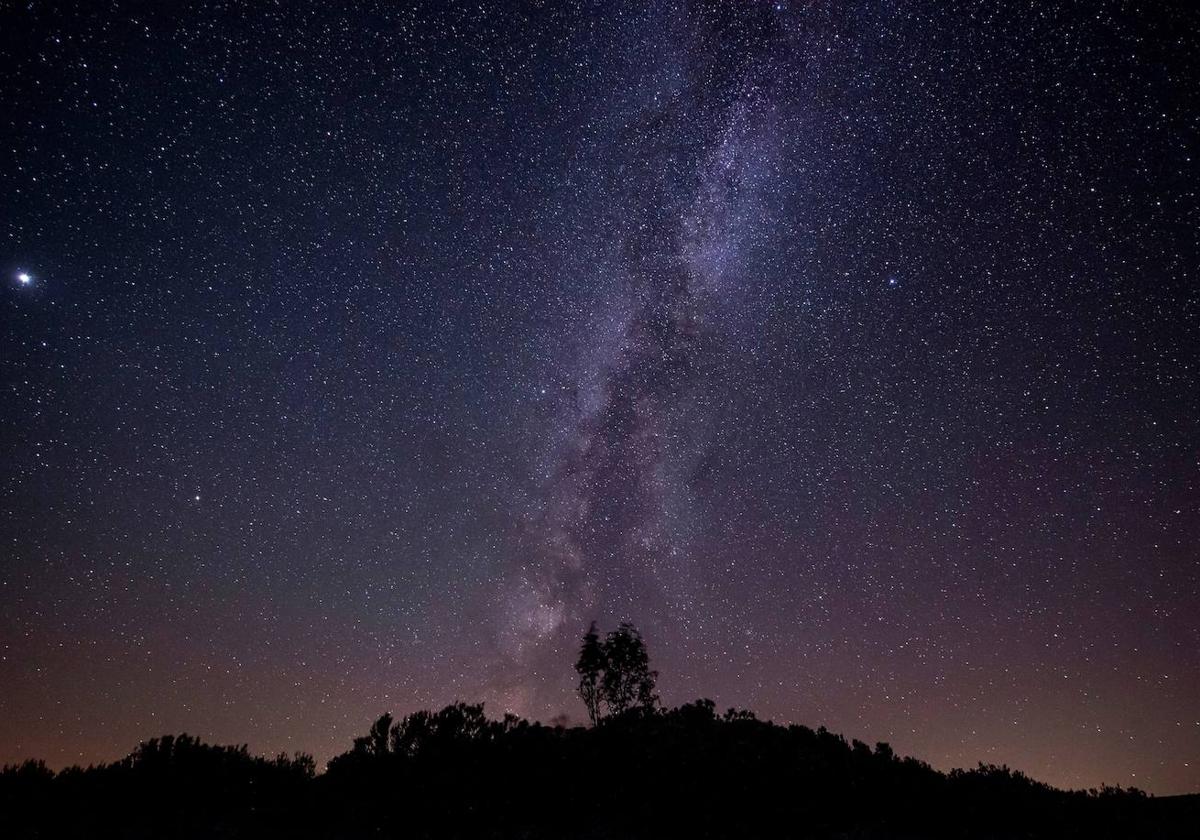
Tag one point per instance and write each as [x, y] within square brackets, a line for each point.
[354, 356]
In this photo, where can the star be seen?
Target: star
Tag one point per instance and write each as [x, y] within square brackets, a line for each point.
[24, 278]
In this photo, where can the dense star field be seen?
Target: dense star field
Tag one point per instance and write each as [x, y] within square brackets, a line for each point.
[355, 356]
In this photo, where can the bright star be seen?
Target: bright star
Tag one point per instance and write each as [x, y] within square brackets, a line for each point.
[24, 278]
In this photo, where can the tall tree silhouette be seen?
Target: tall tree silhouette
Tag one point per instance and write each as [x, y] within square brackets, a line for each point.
[628, 681]
[615, 675]
[590, 667]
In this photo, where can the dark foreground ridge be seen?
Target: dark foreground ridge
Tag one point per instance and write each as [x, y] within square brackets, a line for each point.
[683, 772]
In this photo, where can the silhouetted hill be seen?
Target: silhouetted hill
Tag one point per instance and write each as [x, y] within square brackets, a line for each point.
[686, 772]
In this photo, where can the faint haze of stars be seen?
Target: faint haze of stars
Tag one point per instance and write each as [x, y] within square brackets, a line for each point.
[355, 357]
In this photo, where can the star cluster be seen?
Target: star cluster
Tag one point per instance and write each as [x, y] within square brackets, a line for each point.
[355, 356]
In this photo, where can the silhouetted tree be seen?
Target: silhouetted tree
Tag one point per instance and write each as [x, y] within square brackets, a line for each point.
[590, 668]
[628, 681]
[614, 674]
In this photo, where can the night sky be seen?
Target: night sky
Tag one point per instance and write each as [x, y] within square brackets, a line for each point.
[354, 356]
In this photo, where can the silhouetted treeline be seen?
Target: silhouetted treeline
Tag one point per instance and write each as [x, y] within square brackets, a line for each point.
[173, 786]
[647, 773]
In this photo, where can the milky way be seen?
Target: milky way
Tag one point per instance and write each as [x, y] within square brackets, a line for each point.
[371, 350]
[610, 530]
